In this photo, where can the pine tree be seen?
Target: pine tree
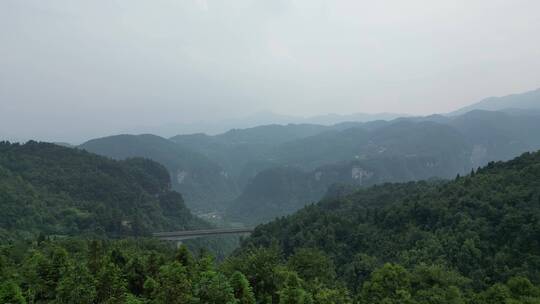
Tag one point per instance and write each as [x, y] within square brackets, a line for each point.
[184, 257]
[241, 288]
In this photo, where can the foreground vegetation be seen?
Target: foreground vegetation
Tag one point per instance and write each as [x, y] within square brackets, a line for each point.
[143, 271]
[471, 240]
[468, 236]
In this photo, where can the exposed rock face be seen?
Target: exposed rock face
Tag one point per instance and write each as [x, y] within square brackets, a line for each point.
[181, 176]
[359, 174]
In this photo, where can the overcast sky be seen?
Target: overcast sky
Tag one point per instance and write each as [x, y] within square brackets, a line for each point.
[71, 69]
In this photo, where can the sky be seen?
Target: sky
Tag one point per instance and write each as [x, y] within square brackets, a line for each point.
[74, 69]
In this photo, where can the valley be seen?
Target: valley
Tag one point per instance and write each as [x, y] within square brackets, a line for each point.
[253, 175]
[269, 152]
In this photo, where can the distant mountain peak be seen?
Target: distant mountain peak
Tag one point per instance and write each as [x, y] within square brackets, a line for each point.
[520, 101]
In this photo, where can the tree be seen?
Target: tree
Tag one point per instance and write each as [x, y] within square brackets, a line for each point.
[390, 284]
[323, 295]
[292, 292]
[312, 264]
[111, 286]
[43, 272]
[95, 249]
[241, 288]
[174, 285]
[436, 285]
[150, 288]
[184, 256]
[521, 287]
[135, 275]
[10, 293]
[77, 286]
[358, 270]
[213, 288]
[261, 266]
[498, 293]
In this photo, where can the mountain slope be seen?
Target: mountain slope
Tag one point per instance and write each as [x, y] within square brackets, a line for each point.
[484, 226]
[527, 100]
[280, 191]
[204, 184]
[391, 152]
[498, 135]
[46, 188]
[392, 139]
[244, 152]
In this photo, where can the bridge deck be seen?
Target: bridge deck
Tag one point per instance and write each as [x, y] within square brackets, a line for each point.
[174, 235]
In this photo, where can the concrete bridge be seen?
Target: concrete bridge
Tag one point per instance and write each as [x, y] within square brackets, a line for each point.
[191, 234]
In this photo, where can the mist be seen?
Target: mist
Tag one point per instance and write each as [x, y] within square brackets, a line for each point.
[73, 70]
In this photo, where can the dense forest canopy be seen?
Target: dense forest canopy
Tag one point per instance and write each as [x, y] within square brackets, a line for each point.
[49, 189]
[471, 240]
[484, 227]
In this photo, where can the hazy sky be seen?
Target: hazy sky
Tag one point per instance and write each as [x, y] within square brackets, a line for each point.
[82, 68]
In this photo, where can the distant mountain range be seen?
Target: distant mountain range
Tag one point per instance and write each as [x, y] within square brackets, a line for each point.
[380, 152]
[523, 101]
[254, 120]
[254, 174]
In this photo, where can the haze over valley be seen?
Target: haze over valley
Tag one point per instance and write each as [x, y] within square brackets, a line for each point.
[269, 152]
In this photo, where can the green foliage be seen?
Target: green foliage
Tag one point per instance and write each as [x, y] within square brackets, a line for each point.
[311, 264]
[324, 295]
[174, 285]
[446, 240]
[389, 284]
[214, 288]
[261, 267]
[241, 288]
[10, 293]
[111, 285]
[53, 190]
[76, 286]
[204, 183]
[184, 257]
[292, 292]
[473, 240]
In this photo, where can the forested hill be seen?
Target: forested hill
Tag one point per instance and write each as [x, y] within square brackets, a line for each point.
[204, 184]
[483, 227]
[49, 189]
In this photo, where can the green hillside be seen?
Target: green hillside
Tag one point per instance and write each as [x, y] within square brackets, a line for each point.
[473, 240]
[49, 189]
[483, 227]
[203, 183]
[280, 191]
[406, 149]
[392, 152]
[245, 152]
